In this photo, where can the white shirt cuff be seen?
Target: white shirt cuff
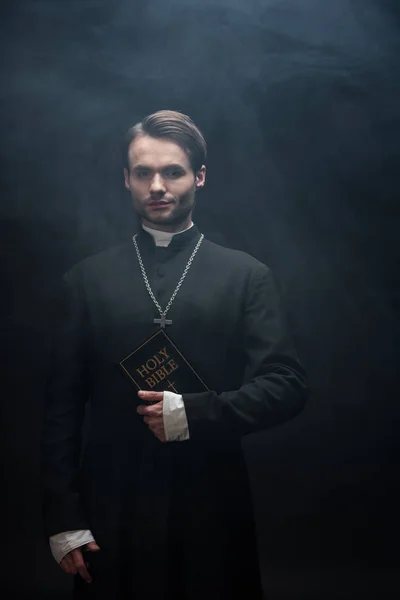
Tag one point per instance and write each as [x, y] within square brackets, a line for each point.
[174, 416]
[62, 543]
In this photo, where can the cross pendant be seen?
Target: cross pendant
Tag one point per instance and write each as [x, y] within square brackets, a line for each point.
[162, 322]
[172, 386]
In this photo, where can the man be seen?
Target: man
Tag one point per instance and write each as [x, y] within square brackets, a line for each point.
[157, 502]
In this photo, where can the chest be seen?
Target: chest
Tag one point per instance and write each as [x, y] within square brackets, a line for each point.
[206, 311]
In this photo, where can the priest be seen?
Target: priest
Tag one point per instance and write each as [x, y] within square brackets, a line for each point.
[153, 502]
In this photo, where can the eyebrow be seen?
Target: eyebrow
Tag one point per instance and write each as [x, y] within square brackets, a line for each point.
[172, 166]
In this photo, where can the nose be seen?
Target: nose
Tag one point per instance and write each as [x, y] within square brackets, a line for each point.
[157, 185]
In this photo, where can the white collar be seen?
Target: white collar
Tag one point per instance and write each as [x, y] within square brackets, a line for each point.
[163, 238]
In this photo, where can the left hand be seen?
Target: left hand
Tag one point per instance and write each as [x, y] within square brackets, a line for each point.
[153, 415]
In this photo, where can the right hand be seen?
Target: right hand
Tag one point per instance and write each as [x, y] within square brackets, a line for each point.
[74, 563]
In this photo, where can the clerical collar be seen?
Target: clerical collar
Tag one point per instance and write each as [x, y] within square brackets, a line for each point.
[176, 240]
[163, 238]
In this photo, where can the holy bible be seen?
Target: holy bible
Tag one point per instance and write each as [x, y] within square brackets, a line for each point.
[158, 365]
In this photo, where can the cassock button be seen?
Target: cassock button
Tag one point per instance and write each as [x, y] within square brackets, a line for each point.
[160, 272]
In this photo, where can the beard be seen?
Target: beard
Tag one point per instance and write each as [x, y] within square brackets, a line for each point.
[179, 213]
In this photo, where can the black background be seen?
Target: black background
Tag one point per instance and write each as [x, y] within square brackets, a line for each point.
[299, 102]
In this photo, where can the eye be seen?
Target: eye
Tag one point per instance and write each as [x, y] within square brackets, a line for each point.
[173, 173]
[142, 173]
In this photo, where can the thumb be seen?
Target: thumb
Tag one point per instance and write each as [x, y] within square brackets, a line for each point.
[92, 547]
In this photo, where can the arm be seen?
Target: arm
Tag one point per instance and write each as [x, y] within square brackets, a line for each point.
[275, 385]
[66, 394]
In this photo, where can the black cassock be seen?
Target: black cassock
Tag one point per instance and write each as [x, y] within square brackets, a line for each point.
[175, 519]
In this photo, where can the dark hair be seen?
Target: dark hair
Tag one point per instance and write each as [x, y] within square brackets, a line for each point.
[174, 126]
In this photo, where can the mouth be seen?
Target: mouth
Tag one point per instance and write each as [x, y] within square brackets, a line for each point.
[159, 205]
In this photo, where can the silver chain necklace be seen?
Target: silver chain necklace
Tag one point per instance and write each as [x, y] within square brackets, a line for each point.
[163, 313]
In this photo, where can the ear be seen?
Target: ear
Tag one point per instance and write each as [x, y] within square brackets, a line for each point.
[126, 176]
[201, 177]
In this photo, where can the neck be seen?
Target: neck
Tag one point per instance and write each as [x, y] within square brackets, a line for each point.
[177, 228]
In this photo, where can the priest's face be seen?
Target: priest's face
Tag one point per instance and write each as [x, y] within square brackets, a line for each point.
[162, 183]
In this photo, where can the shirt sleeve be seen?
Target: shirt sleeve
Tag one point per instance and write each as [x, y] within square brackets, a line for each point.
[62, 543]
[174, 417]
[274, 388]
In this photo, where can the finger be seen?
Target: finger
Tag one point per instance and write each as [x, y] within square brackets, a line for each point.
[72, 568]
[71, 564]
[155, 424]
[151, 396]
[159, 432]
[160, 435]
[64, 565]
[67, 564]
[92, 547]
[154, 419]
[151, 411]
[80, 565]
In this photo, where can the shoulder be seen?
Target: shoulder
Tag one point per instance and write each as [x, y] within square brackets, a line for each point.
[241, 271]
[231, 259]
[101, 264]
